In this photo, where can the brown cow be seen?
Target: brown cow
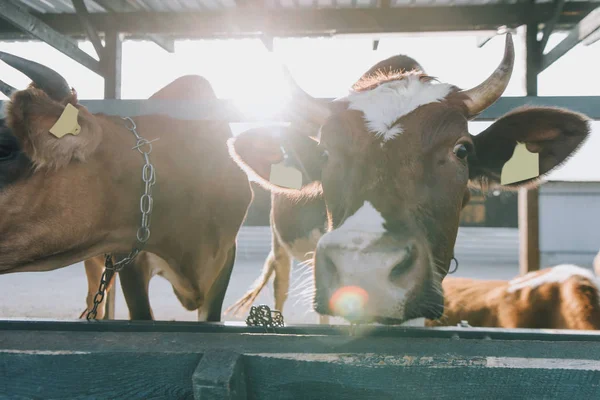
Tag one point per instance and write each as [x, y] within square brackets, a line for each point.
[562, 297]
[298, 224]
[392, 163]
[75, 198]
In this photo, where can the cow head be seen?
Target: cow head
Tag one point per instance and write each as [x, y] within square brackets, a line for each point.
[393, 161]
[54, 192]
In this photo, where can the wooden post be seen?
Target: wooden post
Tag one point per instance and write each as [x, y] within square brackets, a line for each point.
[529, 222]
[111, 64]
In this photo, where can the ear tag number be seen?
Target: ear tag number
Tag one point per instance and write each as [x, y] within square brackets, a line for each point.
[67, 123]
[523, 165]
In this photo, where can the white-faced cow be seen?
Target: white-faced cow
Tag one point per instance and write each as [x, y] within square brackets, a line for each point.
[392, 163]
[562, 297]
[68, 199]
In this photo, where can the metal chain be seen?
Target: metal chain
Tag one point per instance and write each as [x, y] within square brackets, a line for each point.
[144, 146]
[264, 316]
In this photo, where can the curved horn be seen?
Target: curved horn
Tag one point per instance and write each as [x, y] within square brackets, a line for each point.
[44, 78]
[314, 110]
[6, 89]
[486, 93]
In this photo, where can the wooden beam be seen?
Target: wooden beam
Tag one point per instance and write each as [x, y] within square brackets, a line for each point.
[82, 13]
[549, 26]
[282, 22]
[528, 201]
[529, 222]
[122, 6]
[38, 29]
[226, 109]
[586, 27]
[111, 63]
[220, 375]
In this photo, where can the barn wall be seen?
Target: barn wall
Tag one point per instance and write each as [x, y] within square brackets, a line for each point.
[569, 222]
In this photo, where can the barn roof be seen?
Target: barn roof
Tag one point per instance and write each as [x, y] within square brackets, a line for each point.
[227, 18]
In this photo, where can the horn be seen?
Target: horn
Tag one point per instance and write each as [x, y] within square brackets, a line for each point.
[486, 93]
[312, 110]
[44, 78]
[6, 89]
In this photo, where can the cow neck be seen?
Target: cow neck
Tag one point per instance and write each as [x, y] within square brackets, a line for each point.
[144, 147]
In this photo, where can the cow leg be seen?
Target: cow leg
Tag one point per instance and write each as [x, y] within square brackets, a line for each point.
[135, 280]
[276, 256]
[282, 264]
[218, 291]
[94, 268]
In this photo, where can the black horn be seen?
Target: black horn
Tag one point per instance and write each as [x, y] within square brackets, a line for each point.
[7, 89]
[44, 78]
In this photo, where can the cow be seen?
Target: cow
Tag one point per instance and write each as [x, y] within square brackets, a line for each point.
[297, 224]
[565, 296]
[393, 162]
[77, 197]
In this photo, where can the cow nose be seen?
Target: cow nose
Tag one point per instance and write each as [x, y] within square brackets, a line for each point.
[367, 277]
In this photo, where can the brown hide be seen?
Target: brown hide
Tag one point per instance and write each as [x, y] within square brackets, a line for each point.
[83, 200]
[573, 303]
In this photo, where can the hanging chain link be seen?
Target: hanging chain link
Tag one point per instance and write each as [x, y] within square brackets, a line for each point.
[144, 146]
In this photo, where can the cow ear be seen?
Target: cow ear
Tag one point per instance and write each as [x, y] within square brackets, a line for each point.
[34, 119]
[294, 154]
[553, 134]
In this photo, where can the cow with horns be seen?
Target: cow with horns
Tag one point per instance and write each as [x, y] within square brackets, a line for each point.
[384, 182]
[65, 199]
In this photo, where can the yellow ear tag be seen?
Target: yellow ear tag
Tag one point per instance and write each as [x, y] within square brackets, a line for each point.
[523, 165]
[67, 123]
[288, 177]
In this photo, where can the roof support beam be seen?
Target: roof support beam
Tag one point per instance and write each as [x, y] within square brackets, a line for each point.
[38, 29]
[586, 27]
[122, 6]
[280, 22]
[82, 13]
[549, 26]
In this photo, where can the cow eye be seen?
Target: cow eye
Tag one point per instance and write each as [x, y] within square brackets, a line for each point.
[6, 153]
[461, 151]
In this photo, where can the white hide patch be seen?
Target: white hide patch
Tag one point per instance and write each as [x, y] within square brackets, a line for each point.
[383, 105]
[557, 274]
[366, 220]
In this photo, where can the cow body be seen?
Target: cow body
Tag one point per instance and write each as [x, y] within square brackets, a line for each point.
[75, 198]
[561, 297]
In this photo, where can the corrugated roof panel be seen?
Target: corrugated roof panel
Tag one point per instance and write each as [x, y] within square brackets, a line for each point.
[66, 6]
[305, 3]
[228, 3]
[286, 3]
[325, 3]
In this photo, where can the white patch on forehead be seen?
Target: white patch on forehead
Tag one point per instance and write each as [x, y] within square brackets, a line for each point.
[366, 221]
[557, 274]
[386, 103]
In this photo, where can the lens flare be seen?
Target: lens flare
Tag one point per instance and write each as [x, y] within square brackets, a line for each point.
[349, 301]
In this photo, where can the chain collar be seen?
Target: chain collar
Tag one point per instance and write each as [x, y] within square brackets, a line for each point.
[144, 146]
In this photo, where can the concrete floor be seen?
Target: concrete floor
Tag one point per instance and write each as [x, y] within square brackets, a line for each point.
[61, 294]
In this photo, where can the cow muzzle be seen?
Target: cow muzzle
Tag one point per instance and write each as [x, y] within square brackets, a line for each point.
[369, 277]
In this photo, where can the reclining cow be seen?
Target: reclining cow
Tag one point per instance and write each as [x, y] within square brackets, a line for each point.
[392, 163]
[73, 198]
[562, 297]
